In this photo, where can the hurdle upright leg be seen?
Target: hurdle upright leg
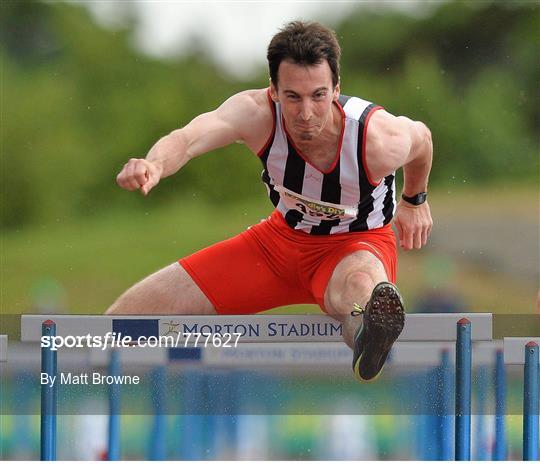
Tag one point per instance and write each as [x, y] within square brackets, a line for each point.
[499, 447]
[49, 395]
[530, 403]
[463, 390]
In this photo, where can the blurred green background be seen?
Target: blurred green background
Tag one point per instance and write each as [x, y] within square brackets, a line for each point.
[78, 100]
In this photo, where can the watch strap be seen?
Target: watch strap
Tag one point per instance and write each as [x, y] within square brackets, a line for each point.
[417, 199]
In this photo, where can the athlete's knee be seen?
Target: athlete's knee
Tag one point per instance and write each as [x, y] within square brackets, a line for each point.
[357, 287]
[358, 283]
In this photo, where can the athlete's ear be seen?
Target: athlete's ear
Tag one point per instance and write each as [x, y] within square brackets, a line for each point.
[337, 91]
[273, 92]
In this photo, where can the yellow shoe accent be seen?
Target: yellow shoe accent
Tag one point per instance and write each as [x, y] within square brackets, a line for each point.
[357, 375]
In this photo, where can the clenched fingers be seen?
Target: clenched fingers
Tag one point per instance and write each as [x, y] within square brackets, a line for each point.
[136, 174]
[138, 171]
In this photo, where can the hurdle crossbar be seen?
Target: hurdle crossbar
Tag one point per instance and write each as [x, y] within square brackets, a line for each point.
[258, 328]
[309, 355]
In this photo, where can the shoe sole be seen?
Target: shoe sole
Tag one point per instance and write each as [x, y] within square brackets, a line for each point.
[384, 321]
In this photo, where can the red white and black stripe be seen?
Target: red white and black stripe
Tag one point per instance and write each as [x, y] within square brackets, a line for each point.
[346, 184]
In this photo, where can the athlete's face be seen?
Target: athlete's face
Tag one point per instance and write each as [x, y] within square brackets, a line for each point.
[306, 94]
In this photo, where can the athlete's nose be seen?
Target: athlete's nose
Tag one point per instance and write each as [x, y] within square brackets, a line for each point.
[306, 110]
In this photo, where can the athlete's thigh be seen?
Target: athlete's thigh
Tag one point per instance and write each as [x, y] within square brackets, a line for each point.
[170, 290]
[358, 261]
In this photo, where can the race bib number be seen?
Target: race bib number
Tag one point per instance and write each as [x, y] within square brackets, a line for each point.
[315, 208]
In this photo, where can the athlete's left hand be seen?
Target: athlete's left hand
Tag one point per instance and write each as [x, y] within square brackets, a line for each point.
[413, 224]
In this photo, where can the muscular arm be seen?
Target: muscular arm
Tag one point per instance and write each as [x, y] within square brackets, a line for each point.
[395, 142]
[418, 164]
[242, 117]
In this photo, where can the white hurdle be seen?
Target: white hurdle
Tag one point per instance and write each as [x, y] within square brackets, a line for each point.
[461, 328]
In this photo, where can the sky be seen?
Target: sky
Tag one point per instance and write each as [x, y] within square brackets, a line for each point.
[235, 33]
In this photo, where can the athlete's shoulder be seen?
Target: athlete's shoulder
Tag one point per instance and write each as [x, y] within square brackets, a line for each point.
[254, 101]
[254, 115]
[385, 124]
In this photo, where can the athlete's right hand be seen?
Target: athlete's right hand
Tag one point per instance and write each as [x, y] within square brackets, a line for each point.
[140, 174]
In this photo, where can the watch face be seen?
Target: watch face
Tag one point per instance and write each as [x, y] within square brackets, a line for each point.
[418, 199]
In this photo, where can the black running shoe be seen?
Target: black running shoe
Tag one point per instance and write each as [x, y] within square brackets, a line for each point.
[382, 323]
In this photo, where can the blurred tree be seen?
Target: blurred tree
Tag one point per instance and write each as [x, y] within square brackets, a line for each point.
[470, 70]
[25, 32]
[78, 101]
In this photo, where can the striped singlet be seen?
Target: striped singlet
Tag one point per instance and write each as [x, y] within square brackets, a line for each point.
[344, 199]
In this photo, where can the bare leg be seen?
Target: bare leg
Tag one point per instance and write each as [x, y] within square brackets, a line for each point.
[170, 290]
[352, 281]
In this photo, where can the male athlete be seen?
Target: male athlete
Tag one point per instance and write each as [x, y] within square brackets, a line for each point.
[329, 164]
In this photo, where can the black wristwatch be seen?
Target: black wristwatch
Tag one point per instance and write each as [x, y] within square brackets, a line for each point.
[417, 199]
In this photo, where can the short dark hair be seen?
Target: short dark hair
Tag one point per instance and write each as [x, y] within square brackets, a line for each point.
[305, 43]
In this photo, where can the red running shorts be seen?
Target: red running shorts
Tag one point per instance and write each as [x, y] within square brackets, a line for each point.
[271, 265]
